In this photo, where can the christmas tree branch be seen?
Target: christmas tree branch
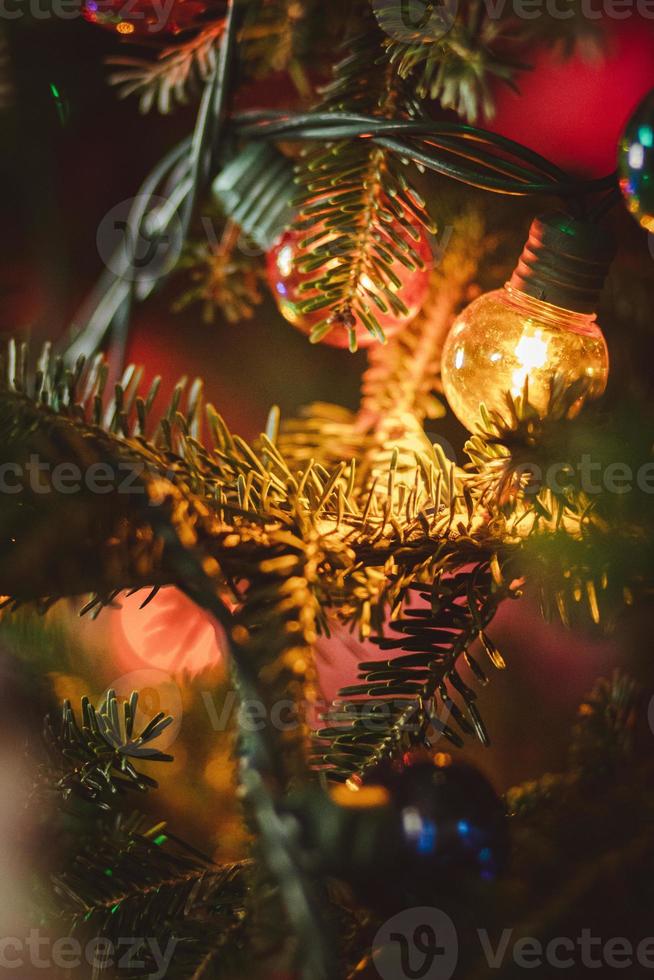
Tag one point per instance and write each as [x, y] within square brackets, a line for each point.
[407, 700]
[351, 195]
[399, 384]
[133, 879]
[97, 761]
[451, 55]
[161, 212]
[543, 480]
[289, 546]
[281, 36]
[170, 78]
[223, 277]
[204, 544]
[403, 374]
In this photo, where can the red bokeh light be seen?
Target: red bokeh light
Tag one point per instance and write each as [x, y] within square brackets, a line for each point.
[572, 110]
[171, 634]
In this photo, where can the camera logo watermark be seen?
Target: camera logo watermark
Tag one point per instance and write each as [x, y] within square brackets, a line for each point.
[416, 20]
[425, 22]
[416, 944]
[140, 239]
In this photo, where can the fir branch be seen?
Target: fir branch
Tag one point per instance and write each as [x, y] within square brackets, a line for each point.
[276, 36]
[401, 378]
[502, 451]
[531, 472]
[238, 504]
[601, 746]
[231, 498]
[569, 31]
[223, 515]
[400, 383]
[322, 433]
[398, 701]
[459, 67]
[352, 194]
[134, 879]
[170, 78]
[96, 761]
[461, 63]
[289, 544]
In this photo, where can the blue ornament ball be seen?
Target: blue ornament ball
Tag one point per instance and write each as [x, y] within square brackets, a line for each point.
[451, 819]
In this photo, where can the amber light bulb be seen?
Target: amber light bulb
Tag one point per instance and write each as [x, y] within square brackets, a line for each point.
[542, 324]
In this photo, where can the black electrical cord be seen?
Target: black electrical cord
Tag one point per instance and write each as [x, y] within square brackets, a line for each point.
[467, 154]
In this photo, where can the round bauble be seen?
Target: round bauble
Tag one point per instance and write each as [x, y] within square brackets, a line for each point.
[287, 282]
[415, 831]
[450, 819]
[539, 329]
[636, 163]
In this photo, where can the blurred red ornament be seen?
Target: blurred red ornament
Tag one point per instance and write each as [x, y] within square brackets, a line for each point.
[143, 17]
[170, 633]
[286, 280]
[573, 110]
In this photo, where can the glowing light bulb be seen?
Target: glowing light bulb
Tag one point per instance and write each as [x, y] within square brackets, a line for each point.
[540, 325]
[506, 338]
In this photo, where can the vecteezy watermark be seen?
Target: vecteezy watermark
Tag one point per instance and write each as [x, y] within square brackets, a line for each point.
[423, 944]
[68, 953]
[286, 715]
[141, 238]
[402, 20]
[590, 476]
[565, 952]
[41, 477]
[38, 476]
[592, 10]
[156, 17]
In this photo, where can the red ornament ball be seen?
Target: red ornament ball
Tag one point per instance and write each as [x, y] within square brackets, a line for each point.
[286, 281]
[143, 17]
[572, 110]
